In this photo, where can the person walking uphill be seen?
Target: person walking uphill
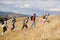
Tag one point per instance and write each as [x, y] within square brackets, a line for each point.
[25, 23]
[13, 23]
[33, 20]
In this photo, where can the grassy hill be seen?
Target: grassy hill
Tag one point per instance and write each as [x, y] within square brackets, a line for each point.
[42, 31]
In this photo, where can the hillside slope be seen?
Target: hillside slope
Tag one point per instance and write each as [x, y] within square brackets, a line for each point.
[42, 31]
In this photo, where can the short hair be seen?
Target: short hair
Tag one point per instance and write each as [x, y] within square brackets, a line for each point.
[34, 14]
[27, 17]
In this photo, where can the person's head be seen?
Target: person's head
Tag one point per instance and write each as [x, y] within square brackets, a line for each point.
[48, 14]
[27, 17]
[34, 14]
[13, 17]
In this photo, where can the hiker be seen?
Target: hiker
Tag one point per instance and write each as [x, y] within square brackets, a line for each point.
[25, 23]
[13, 23]
[33, 20]
[4, 25]
[45, 18]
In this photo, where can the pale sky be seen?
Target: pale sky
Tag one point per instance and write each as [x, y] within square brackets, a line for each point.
[26, 6]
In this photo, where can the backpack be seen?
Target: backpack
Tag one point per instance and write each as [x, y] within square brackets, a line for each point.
[31, 18]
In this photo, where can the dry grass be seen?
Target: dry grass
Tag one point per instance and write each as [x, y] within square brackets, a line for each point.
[42, 31]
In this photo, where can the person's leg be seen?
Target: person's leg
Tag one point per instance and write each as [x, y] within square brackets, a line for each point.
[26, 26]
[3, 30]
[23, 26]
[48, 21]
[13, 26]
[32, 23]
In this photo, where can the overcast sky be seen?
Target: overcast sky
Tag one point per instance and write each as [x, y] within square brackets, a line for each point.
[16, 5]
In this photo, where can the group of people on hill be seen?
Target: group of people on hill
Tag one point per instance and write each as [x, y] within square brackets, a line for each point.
[25, 22]
[33, 17]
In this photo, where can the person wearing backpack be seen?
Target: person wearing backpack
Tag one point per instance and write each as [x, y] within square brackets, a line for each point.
[33, 18]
